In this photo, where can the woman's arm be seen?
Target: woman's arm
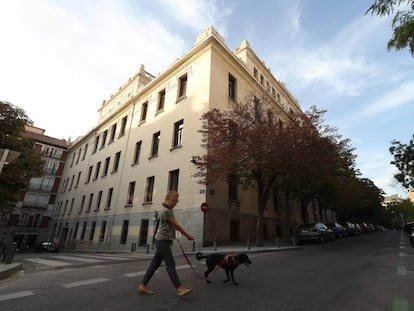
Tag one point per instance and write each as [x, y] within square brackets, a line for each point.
[177, 227]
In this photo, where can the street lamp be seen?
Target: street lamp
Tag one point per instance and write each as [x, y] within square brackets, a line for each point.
[7, 156]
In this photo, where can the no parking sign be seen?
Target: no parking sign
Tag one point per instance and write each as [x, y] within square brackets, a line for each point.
[204, 207]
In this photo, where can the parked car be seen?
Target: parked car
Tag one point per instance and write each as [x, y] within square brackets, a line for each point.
[338, 230]
[47, 246]
[350, 227]
[318, 232]
[409, 227]
[412, 239]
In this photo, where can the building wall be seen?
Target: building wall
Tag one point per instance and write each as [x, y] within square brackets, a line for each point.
[207, 67]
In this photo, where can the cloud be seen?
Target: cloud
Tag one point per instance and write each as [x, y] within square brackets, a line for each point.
[63, 61]
[394, 99]
[199, 15]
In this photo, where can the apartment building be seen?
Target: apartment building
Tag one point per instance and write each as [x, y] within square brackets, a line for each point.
[28, 222]
[117, 175]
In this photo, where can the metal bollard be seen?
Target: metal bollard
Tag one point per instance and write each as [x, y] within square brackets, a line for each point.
[277, 241]
[248, 244]
[215, 245]
[147, 251]
[194, 244]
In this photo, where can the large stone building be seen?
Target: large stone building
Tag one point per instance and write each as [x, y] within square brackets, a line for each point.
[116, 176]
[27, 222]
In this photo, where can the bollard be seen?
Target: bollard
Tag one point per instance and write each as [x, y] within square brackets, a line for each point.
[277, 241]
[194, 246]
[147, 251]
[215, 245]
[9, 254]
[248, 244]
[293, 241]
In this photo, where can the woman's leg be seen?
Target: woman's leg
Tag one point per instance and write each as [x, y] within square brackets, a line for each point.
[155, 263]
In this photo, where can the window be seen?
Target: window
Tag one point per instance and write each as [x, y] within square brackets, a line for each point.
[92, 232]
[97, 169]
[77, 180]
[82, 237]
[123, 126]
[78, 158]
[106, 166]
[82, 204]
[131, 190]
[84, 152]
[124, 232]
[182, 87]
[75, 232]
[116, 162]
[72, 202]
[155, 144]
[255, 73]
[173, 180]
[261, 80]
[95, 147]
[137, 152]
[98, 200]
[149, 189]
[161, 100]
[109, 198]
[104, 135]
[232, 87]
[64, 209]
[232, 188]
[73, 159]
[90, 202]
[103, 231]
[144, 110]
[178, 133]
[113, 132]
[89, 174]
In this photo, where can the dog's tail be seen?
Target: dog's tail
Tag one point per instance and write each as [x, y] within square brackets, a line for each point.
[200, 256]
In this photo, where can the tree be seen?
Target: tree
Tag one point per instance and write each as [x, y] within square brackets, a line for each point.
[242, 146]
[404, 161]
[402, 22]
[15, 176]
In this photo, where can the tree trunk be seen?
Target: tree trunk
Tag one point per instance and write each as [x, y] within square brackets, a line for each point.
[261, 196]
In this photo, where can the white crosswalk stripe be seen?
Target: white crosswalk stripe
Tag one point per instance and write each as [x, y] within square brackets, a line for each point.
[48, 262]
[62, 260]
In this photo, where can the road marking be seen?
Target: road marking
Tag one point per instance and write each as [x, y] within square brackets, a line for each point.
[133, 274]
[85, 282]
[16, 295]
[90, 260]
[399, 305]
[401, 270]
[104, 257]
[47, 262]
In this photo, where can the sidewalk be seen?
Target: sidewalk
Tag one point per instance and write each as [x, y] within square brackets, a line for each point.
[7, 270]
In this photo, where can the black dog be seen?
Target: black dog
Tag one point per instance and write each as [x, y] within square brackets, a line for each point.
[229, 263]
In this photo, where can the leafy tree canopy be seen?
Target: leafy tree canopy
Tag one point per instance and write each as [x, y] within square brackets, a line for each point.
[402, 22]
[15, 176]
[404, 161]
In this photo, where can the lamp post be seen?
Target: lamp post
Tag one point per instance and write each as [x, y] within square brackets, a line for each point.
[7, 156]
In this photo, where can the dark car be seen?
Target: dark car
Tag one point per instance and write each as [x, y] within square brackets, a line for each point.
[412, 239]
[338, 229]
[409, 227]
[314, 232]
[47, 246]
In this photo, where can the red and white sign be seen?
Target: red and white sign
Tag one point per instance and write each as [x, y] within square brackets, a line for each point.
[204, 207]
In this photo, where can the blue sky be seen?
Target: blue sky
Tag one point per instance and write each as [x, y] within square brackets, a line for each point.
[60, 59]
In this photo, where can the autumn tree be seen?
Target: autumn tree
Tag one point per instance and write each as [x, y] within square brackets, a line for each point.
[242, 146]
[404, 161]
[14, 178]
[402, 22]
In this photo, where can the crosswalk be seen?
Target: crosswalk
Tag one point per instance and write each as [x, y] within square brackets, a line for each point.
[69, 260]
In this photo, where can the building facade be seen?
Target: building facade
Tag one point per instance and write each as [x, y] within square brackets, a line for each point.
[117, 175]
[27, 223]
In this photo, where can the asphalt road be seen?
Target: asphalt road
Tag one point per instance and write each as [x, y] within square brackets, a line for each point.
[374, 271]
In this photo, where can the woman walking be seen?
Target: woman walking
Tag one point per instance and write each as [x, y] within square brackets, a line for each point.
[163, 241]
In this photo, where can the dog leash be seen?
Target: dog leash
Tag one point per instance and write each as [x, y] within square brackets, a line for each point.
[188, 261]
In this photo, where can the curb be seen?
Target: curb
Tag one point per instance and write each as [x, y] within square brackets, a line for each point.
[7, 270]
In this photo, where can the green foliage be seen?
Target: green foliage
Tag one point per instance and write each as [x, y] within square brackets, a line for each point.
[16, 175]
[402, 22]
[404, 161]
